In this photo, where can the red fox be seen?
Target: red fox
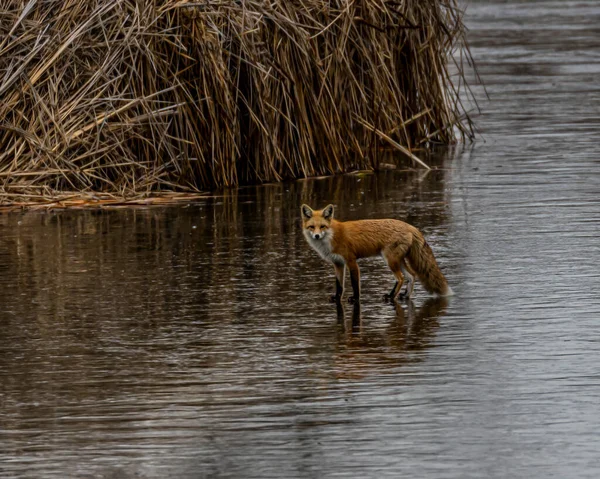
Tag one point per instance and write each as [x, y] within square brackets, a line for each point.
[401, 245]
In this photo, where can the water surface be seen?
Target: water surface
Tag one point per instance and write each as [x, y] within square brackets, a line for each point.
[197, 341]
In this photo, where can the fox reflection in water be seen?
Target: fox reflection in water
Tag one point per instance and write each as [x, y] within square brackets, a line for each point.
[364, 347]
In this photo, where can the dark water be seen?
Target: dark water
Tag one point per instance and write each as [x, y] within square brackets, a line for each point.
[197, 341]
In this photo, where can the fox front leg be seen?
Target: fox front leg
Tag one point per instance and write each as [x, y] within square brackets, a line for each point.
[355, 279]
[340, 275]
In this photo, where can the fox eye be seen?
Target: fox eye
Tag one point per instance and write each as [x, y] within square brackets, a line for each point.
[323, 227]
[311, 227]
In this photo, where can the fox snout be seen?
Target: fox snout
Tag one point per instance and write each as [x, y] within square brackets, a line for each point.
[317, 234]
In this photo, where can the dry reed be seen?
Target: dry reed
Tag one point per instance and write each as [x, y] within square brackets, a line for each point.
[131, 97]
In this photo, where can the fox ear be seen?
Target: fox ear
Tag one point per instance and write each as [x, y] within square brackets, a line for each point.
[328, 212]
[306, 211]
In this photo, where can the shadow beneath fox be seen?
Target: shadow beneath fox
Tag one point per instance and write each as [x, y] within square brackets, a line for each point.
[365, 345]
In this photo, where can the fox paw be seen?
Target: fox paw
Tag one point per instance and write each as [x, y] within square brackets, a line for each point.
[387, 298]
[334, 298]
[353, 299]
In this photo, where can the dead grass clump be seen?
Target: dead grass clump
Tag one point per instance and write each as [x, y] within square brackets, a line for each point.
[130, 97]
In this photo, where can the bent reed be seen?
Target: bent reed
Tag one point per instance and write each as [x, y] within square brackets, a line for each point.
[132, 97]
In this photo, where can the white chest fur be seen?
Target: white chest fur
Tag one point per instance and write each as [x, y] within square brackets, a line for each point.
[323, 247]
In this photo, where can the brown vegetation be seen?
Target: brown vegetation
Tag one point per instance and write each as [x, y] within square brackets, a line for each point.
[130, 97]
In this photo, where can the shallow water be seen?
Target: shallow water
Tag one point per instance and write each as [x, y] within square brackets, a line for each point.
[197, 341]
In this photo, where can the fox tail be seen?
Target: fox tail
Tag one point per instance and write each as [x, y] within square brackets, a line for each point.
[424, 264]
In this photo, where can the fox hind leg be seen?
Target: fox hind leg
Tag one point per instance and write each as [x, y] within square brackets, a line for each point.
[396, 267]
[392, 294]
[409, 274]
[394, 257]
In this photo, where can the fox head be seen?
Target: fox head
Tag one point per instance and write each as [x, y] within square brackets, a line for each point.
[316, 223]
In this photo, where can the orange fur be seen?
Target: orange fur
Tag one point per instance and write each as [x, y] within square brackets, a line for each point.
[401, 245]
